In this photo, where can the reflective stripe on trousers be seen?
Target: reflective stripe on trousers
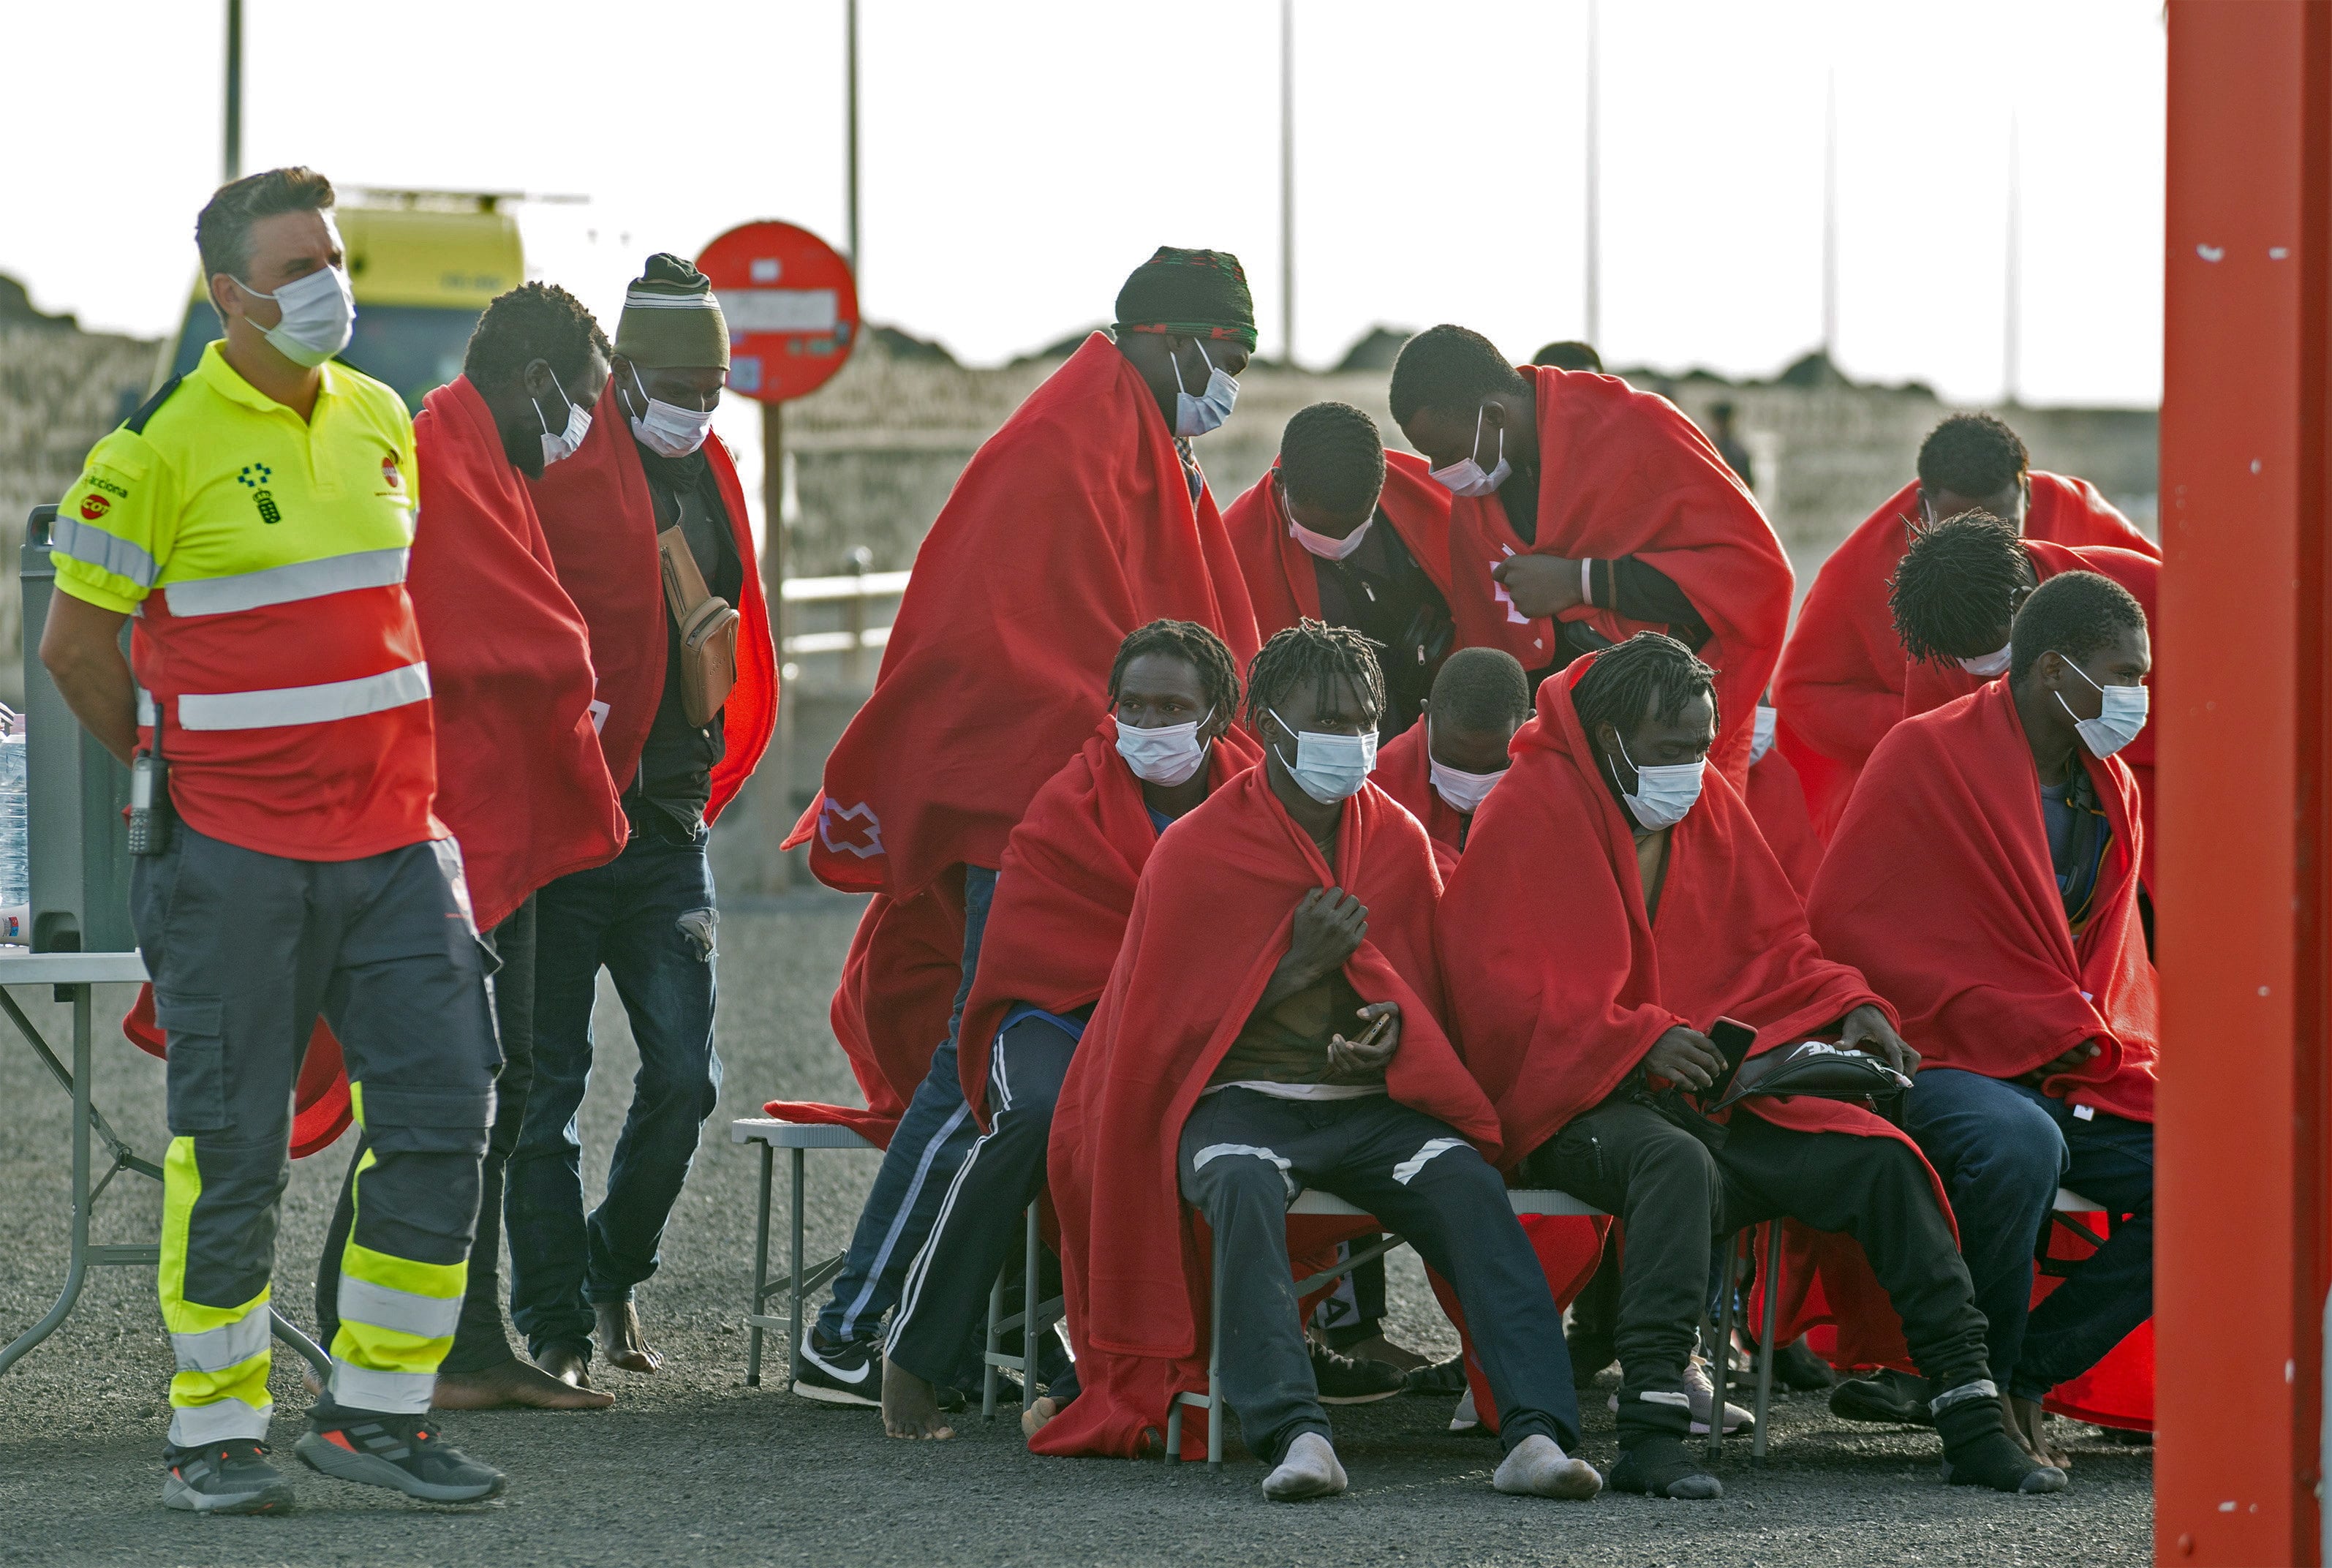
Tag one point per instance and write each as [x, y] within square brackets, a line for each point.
[219, 1391]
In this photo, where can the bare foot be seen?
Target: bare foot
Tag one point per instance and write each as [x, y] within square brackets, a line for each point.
[1376, 1347]
[620, 1338]
[515, 1383]
[567, 1365]
[2028, 1421]
[911, 1406]
[1033, 1419]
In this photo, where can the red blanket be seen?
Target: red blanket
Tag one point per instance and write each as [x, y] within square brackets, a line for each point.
[891, 1009]
[1279, 573]
[1402, 773]
[1559, 983]
[1211, 918]
[1968, 935]
[1623, 472]
[1065, 891]
[601, 527]
[1072, 526]
[1841, 684]
[520, 776]
[1777, 799]
[1927, 687]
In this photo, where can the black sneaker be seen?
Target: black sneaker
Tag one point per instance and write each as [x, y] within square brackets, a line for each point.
[1342, 1380]
[224, 1478]
[1444, 1378]
[406, 1453]
[840, 1373]
[1658, 1464]
[1799, 1368]
[1884, 1398]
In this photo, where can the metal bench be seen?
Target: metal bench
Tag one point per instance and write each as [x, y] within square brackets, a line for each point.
[797, 1138]
[1313, 1202]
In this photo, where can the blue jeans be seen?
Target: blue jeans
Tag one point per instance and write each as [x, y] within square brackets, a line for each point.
[933, 1137]
[2003, 1151]
[647, 916]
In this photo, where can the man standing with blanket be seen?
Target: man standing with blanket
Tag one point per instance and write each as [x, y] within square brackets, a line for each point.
[1084, 517]
[1586, 511]
[1270, 1025]
[521, 780]
[1612, 830]
[645, 515]
[1063, 893]
[2012, 942]
[1340, 530]
[1840, 684]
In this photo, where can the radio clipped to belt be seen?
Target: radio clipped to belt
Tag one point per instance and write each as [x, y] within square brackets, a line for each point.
[151, 815]
[708, 630]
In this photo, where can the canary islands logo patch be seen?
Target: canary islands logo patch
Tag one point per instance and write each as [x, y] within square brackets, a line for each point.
[254, 477]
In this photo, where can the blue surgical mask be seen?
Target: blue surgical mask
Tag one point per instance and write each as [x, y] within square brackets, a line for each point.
[563, 442]
[319, 316]
[1168, 755]
[1466, 477]
[2117, 723]
[1195, 416]
[1662, 795]
[1328, 768]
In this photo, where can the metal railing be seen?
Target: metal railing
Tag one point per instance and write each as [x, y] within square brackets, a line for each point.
[853, 592]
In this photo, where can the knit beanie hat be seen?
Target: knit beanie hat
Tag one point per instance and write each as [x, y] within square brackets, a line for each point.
[1193, 293]
[670, 320]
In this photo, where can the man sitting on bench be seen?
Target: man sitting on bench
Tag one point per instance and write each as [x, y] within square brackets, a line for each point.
[2012, 944]
[1443, 765]
[1615, 903]
[1062, 896]
[1270, 1027]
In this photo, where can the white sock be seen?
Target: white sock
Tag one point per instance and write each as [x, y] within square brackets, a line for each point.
[1538, 1467]
[1310, 1469]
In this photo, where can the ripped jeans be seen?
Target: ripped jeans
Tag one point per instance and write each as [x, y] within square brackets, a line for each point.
[648, 917]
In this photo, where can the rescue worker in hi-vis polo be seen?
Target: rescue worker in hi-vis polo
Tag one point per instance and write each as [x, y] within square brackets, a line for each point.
[256, 516]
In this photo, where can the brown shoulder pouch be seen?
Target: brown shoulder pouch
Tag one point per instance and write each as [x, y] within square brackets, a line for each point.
[708, 630]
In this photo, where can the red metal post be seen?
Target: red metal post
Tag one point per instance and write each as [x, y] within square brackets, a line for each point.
[2241, 1269]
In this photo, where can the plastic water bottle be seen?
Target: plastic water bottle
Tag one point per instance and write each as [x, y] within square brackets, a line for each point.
[15, 882]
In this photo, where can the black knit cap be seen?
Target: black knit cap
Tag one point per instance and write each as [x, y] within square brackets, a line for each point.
[1194, 293]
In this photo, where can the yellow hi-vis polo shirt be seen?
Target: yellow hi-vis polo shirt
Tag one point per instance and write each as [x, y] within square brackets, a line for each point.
[265, 557]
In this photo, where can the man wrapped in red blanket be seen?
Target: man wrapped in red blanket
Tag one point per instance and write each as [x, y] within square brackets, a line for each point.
[1840, 684]
[1954, 595]
[1340, 530]
[1443, 767]
[1083, 519]
[2010, 938]
[1586, 511]
[1615, 903]
[1270, 1025]
[1062, 898]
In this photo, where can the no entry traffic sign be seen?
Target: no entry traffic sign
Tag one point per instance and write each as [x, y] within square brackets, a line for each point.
[791, 306]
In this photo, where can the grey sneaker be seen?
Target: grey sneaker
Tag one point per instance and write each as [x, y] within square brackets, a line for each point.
[406, 1453]
[224, 1478]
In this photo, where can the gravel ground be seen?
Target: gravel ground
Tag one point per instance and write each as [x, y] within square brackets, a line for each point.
[691, 1466]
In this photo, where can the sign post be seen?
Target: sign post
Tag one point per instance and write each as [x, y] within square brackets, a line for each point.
[792, 309]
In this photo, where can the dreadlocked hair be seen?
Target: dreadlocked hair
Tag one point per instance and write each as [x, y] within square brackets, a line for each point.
[1648, 676]
[1313, 651]
[1951, 593]
[1195, 645]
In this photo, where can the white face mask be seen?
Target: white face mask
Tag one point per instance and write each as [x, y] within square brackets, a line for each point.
[1328, 768]
[1320, 544]
[1466, 477]
[1760, 733]
[2116, 724]
[1463, 792]
[1987, 667]
[1168, 755]
[1663, 795]
[667, 429]
[320, 316]
[1197, 416]
[562, 445]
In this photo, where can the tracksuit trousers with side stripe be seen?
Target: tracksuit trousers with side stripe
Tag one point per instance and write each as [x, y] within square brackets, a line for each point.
[246, 950]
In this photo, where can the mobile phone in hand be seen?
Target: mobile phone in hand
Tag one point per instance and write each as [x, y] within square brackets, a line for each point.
[1732, 1039]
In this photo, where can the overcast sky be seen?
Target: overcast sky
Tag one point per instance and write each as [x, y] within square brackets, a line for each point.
[1020, 157]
